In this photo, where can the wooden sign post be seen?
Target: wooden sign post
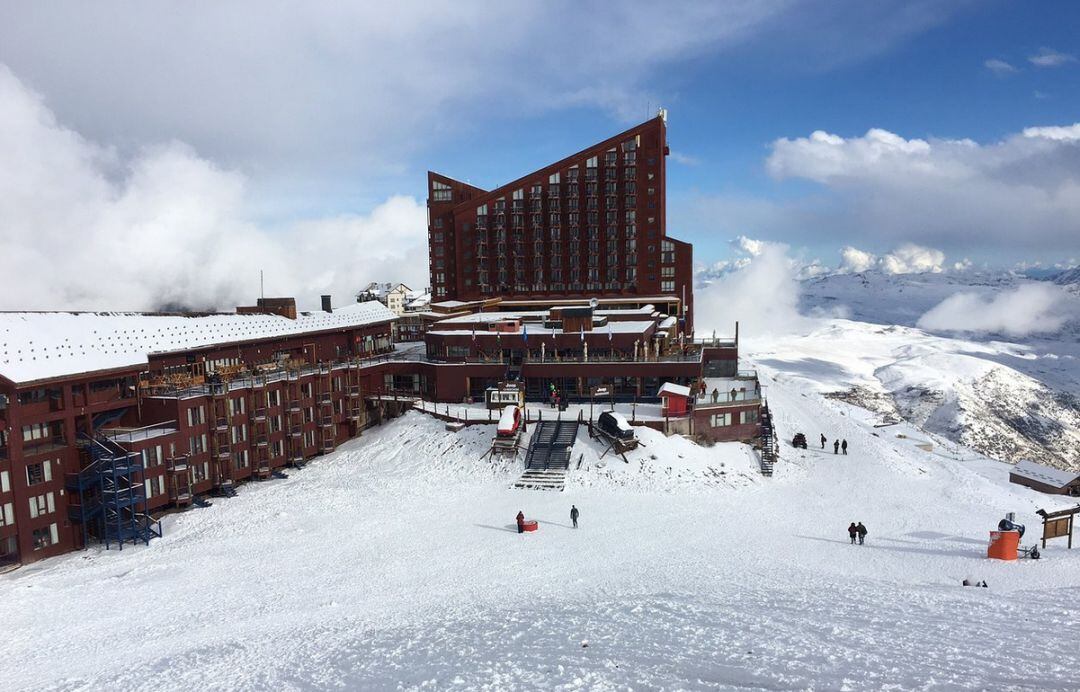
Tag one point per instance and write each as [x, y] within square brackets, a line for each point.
[1058, 524]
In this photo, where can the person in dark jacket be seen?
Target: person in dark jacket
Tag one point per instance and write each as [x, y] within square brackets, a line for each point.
[853, 533]
[836, 447]
[862, 533]
[521, 522]
[843, 446]
[823, 440]
[574, 514]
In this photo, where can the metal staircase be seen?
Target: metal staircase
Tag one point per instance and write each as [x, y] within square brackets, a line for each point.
[548, 457]
[770, 450]
[111, 494]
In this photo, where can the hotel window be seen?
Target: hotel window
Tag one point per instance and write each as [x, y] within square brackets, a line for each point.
[718, 420]
[438, 223]
[749, 416]
[609, 157]
[7, 516]
[45, 537]
[39, 473]
[667, 272]
[5, 482]
[572, 174]
[629, 173]
[667, 252]
[42, 505]
[441, 192]
[631, 201]
[631, 216]
[667, 286]
[553, 178]
[537, 190]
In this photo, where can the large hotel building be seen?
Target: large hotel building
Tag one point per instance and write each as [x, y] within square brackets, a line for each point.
[590, 225]
[563, 281]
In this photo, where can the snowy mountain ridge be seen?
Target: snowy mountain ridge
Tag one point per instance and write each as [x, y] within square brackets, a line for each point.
[1008, 396]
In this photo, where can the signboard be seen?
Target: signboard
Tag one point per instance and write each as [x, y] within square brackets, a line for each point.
[1058, 524]
[601, 391]
[1056, 528]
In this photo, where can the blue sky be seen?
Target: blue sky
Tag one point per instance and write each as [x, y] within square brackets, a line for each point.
[301, 134]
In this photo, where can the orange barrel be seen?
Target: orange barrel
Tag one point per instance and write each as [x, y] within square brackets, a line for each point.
[531, 525]
[1003, 545]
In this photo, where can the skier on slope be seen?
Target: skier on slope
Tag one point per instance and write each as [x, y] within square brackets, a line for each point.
[823, 440]
[862, 533]
[574, 514]
[853, 532]
[843, 446]
[521, 522]
[836, 447]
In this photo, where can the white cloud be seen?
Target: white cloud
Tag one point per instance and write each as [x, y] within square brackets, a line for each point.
[906, 259]
[762, 294]
[1000, 67]
[913, 259]
[1029, 309]
[1067, 133]
[1021, 192]
[348, 86]
[1048, 57]
[854, 260]
[82, 227]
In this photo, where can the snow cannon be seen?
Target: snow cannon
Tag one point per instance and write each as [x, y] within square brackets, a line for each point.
[1005, 542]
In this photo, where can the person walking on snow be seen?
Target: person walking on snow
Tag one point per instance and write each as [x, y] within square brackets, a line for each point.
[836, 447]
[843, 446]
[823, 440]
[862, 533]
[574, 514]
[521, 521]
[853, 532]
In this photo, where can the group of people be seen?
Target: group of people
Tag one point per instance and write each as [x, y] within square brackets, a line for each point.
[574, 514]
[857, 532]
[837, 445]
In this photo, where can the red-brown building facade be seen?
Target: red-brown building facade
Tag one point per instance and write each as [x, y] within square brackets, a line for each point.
[590, 225]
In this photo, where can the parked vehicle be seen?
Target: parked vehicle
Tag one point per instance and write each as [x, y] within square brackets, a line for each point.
[509, 422]
[799, 440]
[615, 424]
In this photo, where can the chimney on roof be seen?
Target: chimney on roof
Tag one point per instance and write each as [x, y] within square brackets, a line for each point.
[326, 304]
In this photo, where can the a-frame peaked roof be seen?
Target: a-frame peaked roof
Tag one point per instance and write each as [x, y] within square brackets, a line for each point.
[482, 196]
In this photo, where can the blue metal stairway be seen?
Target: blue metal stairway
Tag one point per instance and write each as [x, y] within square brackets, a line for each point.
[112, 495]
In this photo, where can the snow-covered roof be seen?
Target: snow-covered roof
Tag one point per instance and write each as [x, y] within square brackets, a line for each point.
[1044, 474]
[43, 345]
[672, 388]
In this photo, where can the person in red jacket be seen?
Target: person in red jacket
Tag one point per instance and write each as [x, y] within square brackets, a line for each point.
[521, 522]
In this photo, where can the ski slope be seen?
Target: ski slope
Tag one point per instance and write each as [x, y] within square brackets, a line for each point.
[393, 564]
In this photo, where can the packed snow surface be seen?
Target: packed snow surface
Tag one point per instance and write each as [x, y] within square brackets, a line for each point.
[394, 564]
